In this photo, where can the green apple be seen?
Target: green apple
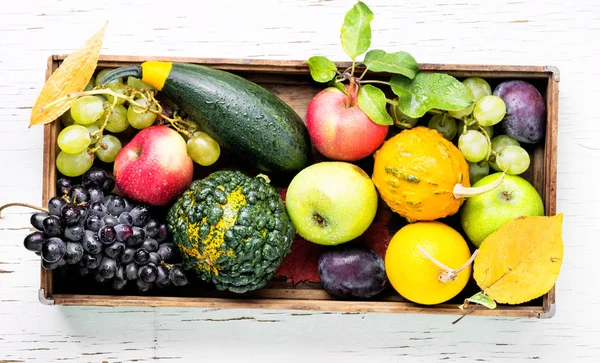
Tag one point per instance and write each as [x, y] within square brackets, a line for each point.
[331, 202]
[483, 214]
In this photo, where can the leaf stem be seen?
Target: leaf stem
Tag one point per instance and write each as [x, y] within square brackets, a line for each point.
[363, 73]
[376, 81]
[465, 314]
[392, 102]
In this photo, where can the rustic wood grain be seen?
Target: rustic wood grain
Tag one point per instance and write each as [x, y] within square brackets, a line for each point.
[553, 33]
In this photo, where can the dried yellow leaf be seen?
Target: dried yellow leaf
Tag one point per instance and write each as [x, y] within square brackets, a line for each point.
[71, 76]
[521, 260]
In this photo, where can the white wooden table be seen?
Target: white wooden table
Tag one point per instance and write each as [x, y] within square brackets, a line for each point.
[555, 32]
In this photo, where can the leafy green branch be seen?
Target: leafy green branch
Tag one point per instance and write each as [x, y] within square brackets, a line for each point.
[417, 92]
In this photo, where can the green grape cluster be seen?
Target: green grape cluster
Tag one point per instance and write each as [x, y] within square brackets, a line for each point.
[102, 111]
[476, 141]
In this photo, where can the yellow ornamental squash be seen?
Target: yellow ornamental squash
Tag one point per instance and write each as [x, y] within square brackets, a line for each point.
[422, 176]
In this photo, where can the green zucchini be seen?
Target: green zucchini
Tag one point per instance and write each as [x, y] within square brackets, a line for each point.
[239, 114]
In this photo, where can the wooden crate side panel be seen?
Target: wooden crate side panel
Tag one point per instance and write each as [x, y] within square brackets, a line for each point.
[51, 131]
[550, 169]
[291, 304]
[300, 66]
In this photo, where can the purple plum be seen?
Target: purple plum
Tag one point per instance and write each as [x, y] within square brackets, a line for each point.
[352, 272]
[525, 119]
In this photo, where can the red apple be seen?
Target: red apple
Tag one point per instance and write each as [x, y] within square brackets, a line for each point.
[154, 167]
[339, 132]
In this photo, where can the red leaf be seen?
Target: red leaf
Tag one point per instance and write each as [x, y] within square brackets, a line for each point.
[282, 194]
[377, 235]
[302, 263]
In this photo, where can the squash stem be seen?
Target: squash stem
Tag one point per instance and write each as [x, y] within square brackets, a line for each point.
[434, 260]
[122, 72]
[460, 191]
[264, 176]
[448, 274]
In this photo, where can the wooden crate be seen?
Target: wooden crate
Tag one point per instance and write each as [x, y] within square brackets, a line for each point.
[291, 81]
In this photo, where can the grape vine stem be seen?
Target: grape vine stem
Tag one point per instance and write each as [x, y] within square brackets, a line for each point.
[26, 205]
[489, 142]
[152, 105]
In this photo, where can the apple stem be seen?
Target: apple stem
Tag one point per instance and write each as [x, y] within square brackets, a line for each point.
[447, 274]
[460, 191]
[319, 219]
[26, 205]
[350, 92]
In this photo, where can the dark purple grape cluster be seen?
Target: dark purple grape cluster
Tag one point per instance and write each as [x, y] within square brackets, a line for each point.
[105, 235]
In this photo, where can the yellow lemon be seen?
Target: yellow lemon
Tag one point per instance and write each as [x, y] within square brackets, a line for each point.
[422, 262]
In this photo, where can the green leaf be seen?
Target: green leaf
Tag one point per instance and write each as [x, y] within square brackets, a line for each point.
[371, 100]
[481, 299]
[321, 69]
[338, 85]
[428, 91]
[402, 63]
[356, 30]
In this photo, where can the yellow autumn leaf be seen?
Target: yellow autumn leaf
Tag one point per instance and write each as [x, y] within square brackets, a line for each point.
[71, 76]
[521, 260]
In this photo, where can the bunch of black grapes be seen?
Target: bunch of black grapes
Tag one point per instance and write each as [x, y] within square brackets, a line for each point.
[105, 235]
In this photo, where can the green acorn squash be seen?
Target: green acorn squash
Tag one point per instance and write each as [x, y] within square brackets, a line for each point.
[232, 230]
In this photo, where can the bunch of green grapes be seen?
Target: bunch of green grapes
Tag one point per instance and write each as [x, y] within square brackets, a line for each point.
[102, 111]
[475, 129]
